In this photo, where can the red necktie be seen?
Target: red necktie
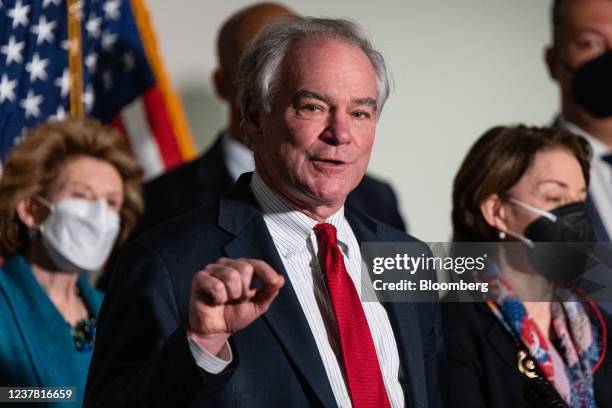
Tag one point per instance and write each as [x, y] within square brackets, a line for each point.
[365, 382]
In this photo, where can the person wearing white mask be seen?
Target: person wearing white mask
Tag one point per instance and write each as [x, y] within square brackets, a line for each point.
[69, 193]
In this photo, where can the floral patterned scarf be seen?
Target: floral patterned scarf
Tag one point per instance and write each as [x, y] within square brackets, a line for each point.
[576, 353]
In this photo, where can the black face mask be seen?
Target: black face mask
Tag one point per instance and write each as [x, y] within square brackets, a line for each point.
[561, 248]
[592, 86]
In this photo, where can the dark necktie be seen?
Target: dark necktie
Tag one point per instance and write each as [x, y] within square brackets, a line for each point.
[607, 158]
[365, 382]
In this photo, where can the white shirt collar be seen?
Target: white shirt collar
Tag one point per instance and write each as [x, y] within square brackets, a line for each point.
[599, 148]
[601, 175]
[299, 227]
[238, 158]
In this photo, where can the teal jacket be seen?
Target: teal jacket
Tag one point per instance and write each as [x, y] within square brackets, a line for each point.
[36, 345]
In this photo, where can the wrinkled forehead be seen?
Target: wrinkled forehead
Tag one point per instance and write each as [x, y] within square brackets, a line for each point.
[330, 46]
[322, 59]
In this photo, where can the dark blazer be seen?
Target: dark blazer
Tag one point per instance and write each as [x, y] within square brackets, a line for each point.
[598, 225]
[481, 358]
[205, 179]
[142, 356]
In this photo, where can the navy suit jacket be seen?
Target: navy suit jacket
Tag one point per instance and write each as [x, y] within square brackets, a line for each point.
[206, 179]
[142, 357]
[598, 225]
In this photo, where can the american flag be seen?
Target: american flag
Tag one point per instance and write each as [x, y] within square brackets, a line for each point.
[124, 82]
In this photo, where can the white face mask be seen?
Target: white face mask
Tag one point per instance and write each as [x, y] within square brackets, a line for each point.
[79, 234]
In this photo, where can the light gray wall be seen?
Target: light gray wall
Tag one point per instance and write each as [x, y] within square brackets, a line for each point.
[459, 67]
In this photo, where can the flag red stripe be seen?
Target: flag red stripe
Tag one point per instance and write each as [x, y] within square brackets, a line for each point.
[117, 123]
[159, 122]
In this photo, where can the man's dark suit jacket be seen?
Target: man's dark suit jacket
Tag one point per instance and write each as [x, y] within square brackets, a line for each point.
[204, 180]
[207, 178]
[142, 357]
[598, 225]
[481, 360]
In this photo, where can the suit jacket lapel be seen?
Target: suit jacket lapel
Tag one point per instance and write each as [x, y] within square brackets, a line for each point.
[404, 322]
[501, 341]
[240, 216]
[598, 225]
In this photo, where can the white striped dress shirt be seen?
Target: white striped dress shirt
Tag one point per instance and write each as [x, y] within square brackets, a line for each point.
[600, 186]
[294, 238]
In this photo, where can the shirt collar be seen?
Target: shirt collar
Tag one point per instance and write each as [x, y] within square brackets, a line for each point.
[298, 227]
[238, 157]
[599, 148]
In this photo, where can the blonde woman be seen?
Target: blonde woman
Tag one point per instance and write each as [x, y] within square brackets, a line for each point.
[69, 193]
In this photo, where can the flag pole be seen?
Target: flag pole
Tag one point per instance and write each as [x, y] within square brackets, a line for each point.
[179, 122]
[75, 58]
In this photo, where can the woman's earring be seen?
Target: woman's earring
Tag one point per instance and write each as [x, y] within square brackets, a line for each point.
[33, 231]
[502, 235]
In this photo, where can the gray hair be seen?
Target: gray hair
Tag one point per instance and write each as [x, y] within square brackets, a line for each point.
[260, 63]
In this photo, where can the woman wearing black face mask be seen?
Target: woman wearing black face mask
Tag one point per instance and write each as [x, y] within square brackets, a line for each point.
[526, 347]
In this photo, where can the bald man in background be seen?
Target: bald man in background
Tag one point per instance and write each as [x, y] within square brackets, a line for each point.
[212, 175]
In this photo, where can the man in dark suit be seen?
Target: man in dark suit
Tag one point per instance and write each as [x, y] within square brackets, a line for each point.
[212, 175]
[580, 61]
[274, 318]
